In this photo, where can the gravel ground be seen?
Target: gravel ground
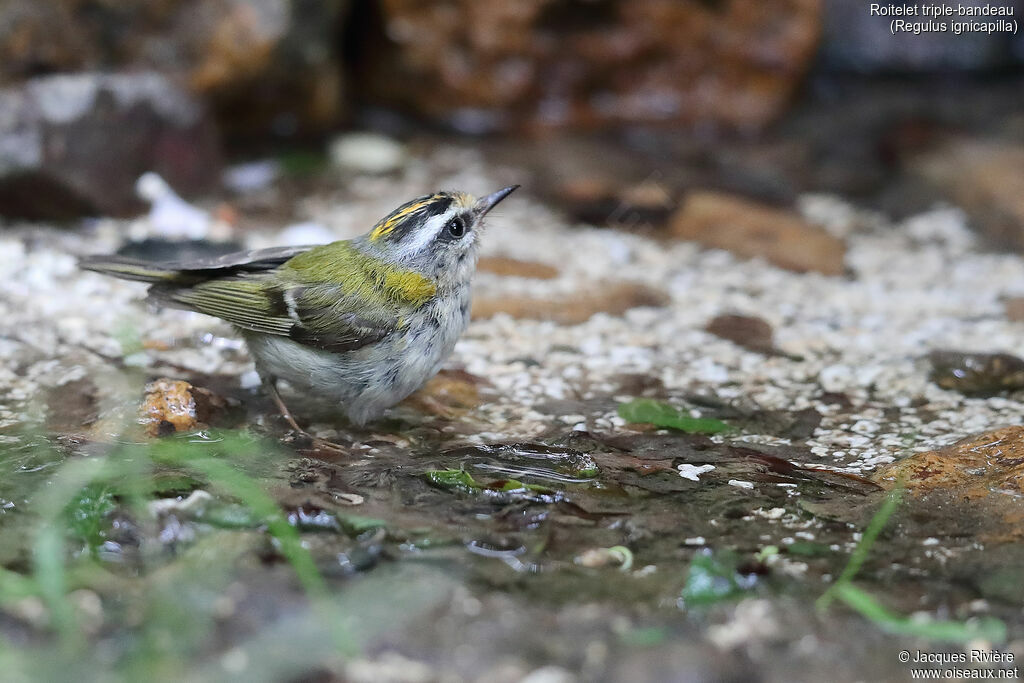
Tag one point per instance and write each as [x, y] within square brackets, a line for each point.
[911, 287]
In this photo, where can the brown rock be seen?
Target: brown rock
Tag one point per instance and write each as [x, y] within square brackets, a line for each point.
[510, 267]
[265, 66]
[614, 299]
[644, 205]
[38, 36]
[450, 393]
[75, 145]
[974, 467]
[1015, 309]
[986, 178]
[486, 64]
[750, 229]
[744, 330]
[177, 406]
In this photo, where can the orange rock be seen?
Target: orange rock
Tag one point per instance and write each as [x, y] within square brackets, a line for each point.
[238, 47]
[548, 63]
[510, 267]
[975, 467]
[177, 406]
[614, 299]
[750, 229]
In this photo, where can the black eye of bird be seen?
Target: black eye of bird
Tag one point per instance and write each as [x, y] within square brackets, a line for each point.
[457, 227]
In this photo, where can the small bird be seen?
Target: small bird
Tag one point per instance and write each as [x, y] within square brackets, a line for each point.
[364, 322]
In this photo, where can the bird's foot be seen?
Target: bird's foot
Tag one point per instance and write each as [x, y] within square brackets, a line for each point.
[304, 441]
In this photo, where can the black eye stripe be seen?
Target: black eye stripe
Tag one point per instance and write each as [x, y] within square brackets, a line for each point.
[407, 224]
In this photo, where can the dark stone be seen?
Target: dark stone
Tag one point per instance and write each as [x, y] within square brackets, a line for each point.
[750, 332]
[977, 373]
[74, 145]
[262, 65]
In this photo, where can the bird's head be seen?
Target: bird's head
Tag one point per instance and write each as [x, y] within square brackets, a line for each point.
[436, 234]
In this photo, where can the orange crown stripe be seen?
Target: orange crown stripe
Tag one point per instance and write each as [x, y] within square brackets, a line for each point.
[389, 224]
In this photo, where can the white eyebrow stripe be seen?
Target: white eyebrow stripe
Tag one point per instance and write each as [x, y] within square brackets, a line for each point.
[415, 243]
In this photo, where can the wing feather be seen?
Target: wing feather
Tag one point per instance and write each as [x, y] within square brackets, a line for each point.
[333, 297]
[321, 316]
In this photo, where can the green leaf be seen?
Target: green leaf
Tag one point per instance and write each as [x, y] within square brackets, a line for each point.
[665, 415]
[987, 628]
[88, 514]
[713, 579]
[459, 480]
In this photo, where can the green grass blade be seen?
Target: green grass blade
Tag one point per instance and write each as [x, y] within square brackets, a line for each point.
[227, 478]
[986, 628]
[48, 548]
[867, 541]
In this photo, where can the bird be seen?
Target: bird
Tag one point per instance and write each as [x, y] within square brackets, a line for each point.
[362, 322]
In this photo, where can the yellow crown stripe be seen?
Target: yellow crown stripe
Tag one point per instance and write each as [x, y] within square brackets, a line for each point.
[392, 221]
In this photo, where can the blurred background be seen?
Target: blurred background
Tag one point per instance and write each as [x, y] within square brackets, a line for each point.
[775, 216]
[599, 99]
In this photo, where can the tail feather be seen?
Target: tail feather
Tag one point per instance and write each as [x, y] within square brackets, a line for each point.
[130, 269]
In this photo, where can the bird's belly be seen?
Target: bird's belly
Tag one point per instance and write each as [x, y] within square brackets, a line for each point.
[369, 380]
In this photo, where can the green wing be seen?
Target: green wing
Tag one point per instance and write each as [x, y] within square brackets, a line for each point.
[339, 300]
[323, 316]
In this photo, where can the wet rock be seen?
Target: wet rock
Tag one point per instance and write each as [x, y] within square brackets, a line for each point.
[973, 467]
[977, 373]
[483, 65]
[265, 65]
[177, 406]
[752, 230]
[510, 267]
[747, 331]
[528, 461]
[75, 145]
[613, 299]
[72, 406]
[983, 177]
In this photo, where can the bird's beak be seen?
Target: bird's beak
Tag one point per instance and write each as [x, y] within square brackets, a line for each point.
[485, 204]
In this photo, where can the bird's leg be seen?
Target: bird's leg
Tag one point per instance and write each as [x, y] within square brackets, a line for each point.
[270, 384]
